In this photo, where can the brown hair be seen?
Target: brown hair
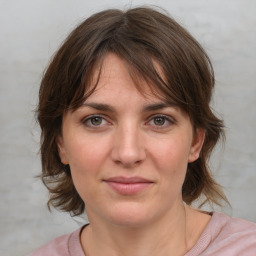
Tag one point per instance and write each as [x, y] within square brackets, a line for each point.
[139, 36]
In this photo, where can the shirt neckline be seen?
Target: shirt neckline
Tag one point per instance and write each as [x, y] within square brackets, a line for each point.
[75, 246]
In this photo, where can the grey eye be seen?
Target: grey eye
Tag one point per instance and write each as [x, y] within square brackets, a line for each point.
[96, 121]
[159, 120]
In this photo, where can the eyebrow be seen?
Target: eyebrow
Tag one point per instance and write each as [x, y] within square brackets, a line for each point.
[99, 106]
[146, 108]
[157, 106]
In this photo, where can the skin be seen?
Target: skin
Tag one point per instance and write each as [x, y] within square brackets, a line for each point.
[125, 136]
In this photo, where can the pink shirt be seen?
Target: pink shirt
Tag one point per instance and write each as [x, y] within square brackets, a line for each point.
[223, 236]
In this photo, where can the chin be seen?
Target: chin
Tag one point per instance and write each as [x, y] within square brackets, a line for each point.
[130, 215]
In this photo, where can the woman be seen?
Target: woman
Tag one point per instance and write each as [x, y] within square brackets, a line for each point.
[127, 132]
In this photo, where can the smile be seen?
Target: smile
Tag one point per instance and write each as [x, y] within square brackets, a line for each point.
[128, 186]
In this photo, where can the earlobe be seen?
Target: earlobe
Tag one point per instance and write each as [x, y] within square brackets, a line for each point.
[197, 145]
[61, 150]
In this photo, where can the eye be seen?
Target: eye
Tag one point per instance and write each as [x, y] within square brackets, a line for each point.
[94, 121]
[161, 121]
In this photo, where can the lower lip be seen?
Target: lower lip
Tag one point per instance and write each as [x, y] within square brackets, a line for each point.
[128, 188]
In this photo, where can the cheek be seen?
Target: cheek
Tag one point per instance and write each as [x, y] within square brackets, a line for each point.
[85, 153]
[87, 157]
[171, 160]
[84, 161]
[172, 155]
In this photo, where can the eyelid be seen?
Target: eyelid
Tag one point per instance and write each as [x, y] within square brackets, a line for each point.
[168, 118]
[87, 118]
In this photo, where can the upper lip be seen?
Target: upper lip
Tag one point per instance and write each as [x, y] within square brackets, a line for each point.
[128, 180]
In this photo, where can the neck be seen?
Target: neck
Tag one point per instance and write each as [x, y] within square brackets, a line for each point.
[166, 236]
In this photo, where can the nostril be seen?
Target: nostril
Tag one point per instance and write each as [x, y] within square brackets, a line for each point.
[128, 156]
[128, 149]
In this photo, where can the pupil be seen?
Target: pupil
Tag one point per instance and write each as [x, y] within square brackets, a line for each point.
[96, 120]
[159, 120]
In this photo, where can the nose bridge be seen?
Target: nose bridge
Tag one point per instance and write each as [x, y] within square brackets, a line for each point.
[128, 147]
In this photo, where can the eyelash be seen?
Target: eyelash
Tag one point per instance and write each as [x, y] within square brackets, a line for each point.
[170, 121]
[90, 118]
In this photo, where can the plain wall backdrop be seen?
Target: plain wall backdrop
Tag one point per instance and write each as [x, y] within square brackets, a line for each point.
[31, 30]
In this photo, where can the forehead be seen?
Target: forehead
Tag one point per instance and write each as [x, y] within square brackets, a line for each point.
[114, 76]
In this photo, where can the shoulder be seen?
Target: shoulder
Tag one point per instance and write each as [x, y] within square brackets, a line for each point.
[227, 226]
[65, 245]
[56, 247]
[231, 236]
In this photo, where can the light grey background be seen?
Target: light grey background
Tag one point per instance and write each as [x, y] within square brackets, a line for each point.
[31, 30]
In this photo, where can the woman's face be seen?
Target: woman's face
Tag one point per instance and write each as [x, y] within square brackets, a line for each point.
[128, 153]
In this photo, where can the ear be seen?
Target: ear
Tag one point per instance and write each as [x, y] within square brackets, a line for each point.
[197, 145]
[62, 150]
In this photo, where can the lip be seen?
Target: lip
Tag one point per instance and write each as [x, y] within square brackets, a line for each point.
[128, 185]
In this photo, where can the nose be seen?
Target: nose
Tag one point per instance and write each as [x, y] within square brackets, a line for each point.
[128, 148]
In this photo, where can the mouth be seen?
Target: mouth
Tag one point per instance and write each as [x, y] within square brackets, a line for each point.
[128, 185]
